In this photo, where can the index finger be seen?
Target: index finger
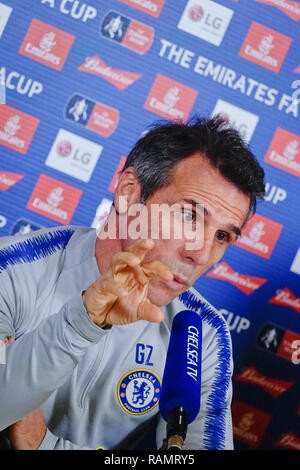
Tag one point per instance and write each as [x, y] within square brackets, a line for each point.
[140, 248]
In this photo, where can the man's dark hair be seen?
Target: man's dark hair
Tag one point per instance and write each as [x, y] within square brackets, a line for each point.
[155, 154]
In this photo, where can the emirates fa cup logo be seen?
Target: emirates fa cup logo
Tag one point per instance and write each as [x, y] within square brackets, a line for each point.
[47, 42]
[291, 150]
[266, 45]
[55, 197]
[257, 231]
[12, 126]
[171, 97]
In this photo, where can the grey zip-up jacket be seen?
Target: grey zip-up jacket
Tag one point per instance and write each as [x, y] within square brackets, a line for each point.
[94, 386]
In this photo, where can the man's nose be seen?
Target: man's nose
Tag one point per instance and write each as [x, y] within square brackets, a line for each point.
[200, 252]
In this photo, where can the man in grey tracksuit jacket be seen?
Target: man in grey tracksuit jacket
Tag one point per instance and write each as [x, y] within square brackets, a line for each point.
[90, 338]
[87, 380]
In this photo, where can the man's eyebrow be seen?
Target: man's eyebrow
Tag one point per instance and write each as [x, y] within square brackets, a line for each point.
[231, 227]
[236, 230]
[196, 204]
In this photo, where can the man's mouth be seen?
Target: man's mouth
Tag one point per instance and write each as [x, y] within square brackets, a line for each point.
[178, 282]
[181, 272]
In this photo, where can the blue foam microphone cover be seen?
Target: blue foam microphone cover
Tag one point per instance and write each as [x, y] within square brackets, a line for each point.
[181, 384]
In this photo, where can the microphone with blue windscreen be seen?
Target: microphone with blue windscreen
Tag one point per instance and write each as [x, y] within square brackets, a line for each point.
[179, 402]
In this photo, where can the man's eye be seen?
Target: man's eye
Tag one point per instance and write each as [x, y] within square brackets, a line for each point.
[223, 236]
[188, 216]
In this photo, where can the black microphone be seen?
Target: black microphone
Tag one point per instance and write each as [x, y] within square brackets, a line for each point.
[179, 401]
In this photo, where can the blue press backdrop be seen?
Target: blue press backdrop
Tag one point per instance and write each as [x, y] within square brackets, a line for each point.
[247, 314]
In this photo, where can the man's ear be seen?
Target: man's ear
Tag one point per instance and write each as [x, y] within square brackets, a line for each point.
[128, 191]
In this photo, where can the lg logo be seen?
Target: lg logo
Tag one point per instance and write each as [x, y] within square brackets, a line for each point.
[241, 127]
[196, 13]
[65, 149]
[238, 118]
[84, 157]
[207, 21]
[74, 155]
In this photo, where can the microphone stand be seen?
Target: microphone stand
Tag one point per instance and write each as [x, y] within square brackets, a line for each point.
[176, 429]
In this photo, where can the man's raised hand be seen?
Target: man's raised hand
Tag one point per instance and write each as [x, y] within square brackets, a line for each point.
[119, 296]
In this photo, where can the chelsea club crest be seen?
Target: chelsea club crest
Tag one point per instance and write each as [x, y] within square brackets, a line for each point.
[138, 391]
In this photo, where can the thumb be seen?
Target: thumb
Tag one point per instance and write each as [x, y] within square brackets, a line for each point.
[150, 312]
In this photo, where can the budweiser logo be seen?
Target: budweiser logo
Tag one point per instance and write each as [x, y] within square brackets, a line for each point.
[247, 284]
[286, 298]
[119, 78]
[289, 441]
[273, 386]
[8, 179]
[5, 180]
[151, 7]
[292, 9]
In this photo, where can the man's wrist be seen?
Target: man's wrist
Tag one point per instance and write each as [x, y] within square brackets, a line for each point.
[103, 325]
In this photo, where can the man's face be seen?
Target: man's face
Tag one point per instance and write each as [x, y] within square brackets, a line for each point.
[225, 209]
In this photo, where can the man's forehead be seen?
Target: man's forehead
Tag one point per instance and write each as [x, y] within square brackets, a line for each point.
[196, 179]
[194, 164]
[194, 173]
